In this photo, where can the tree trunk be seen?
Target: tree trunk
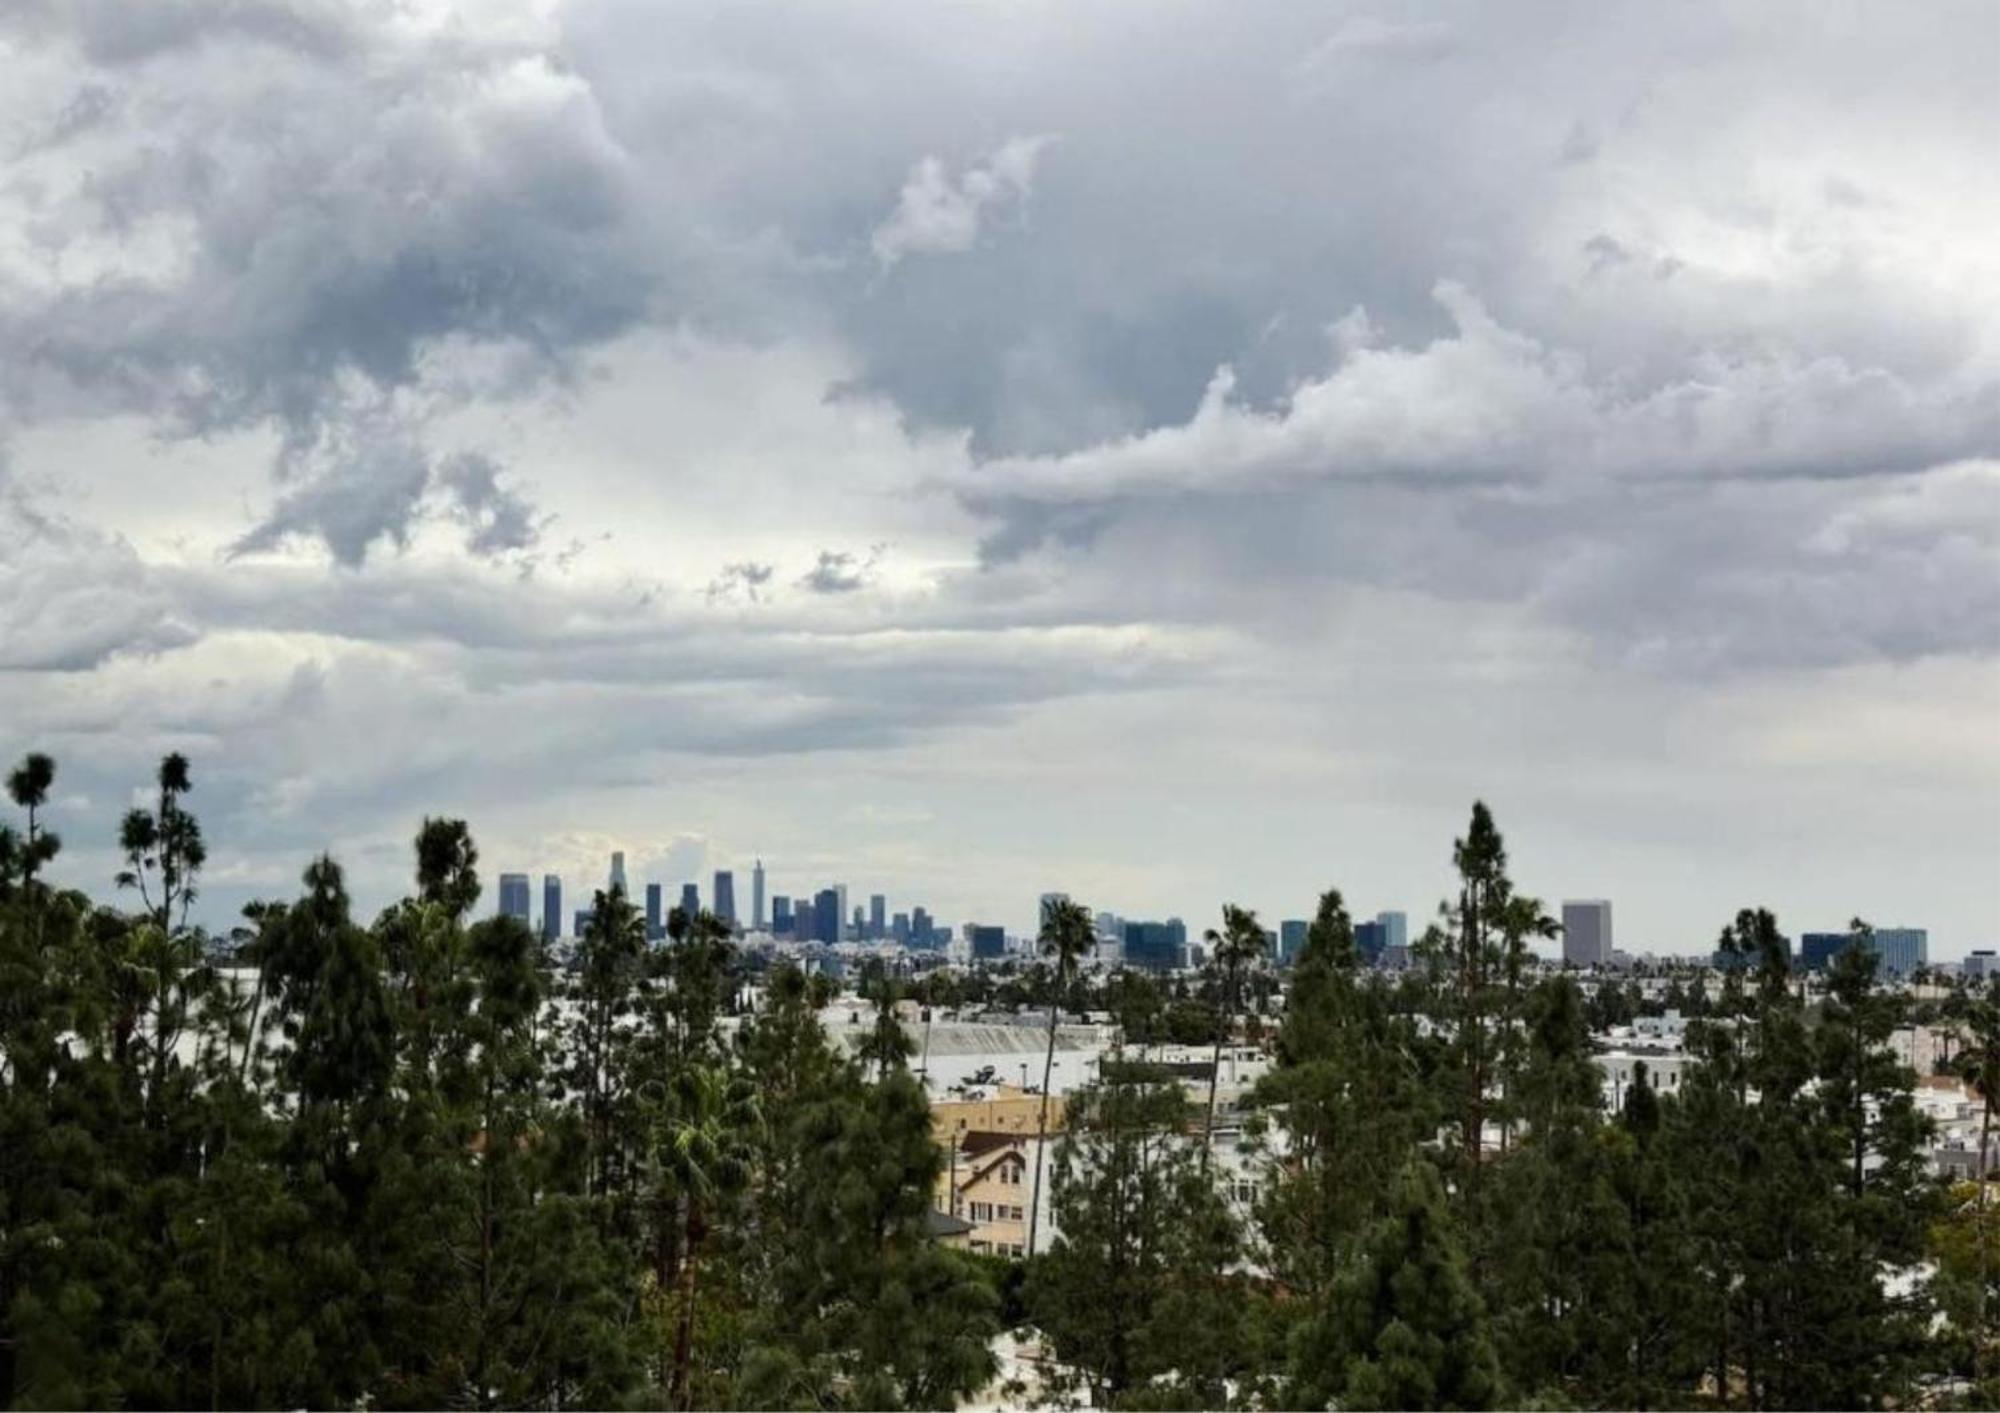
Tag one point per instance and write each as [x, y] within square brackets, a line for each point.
[1215, 1072]
[679, 1395]
[1042, 1123]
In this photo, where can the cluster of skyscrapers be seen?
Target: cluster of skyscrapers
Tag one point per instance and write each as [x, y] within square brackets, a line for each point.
[823, 916]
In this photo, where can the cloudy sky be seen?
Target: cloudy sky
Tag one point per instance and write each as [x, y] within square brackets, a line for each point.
[1164, 452]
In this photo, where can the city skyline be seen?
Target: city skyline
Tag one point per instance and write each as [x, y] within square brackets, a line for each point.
[983, 475]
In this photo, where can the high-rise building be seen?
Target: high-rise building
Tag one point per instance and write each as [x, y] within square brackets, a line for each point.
[1395, 929]
[840, 913]
[514, 896]
[899, 928]
[922, 928]
[878, 916]
[1587, 933]
[988, 943]
[805, 927]
[725, 896]
[690, 901]
[827, 915]
[618, 871]
[1291, 940]
[757, 896]
[551, 907]
[1901, 949]
[580, 922]
[1371, 940]
[656, 922]
[781, 914]
[1156, 946]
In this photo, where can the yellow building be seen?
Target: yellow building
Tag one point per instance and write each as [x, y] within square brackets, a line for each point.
[1006, 1109]
[988, 1180]
[989, 1184]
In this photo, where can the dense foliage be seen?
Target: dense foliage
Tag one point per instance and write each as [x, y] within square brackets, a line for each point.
[361, 1163]
[420, 1162]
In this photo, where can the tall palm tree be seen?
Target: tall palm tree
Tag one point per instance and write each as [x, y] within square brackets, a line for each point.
[713, 1115]
[1067, 934]
[1240, 943]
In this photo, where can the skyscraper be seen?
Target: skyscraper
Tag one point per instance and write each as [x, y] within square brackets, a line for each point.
[826, 914]
[989, 944]
[725, 896]
[1395, 929]
[1586, 932]
[514, 896]
[1370, 940]
[921, 927]
[757, 896]
[618, 871]
[899, 928]
[781, 914]
[804, 926]
[690, 900]
[1155, 946]
[551, 907]
[1291, 940]
[840, 913]
[656, 924]
[878, 916]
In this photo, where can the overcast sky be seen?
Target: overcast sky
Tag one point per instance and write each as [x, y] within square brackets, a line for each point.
[1168, 453]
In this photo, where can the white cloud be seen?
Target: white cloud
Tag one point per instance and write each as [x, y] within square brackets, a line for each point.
[936, 215]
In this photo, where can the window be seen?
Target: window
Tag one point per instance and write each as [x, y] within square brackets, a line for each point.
[1010, 1174]
[1016, 1251]
[982, 1211]
[1013, 1214]
[982, 1248]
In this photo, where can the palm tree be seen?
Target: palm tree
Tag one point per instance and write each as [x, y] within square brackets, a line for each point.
[1067, 934]
[713, 1115]
[1240, 943]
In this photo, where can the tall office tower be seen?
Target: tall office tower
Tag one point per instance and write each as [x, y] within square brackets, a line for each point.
[757, 896]
[878, 916]
[725, 896]
[1902, 949]
[1154, 946]
[826, 915]
[989, 944]
[840, 913]
[859, 922]
[514, 896]
[1587, 933]
[656, 921]
[805, 927]
[920, 927]
[690, 900]
[1291, 940]
[618, 872]
[1371, 941]
[579, 922]
[899, 928]
[1395, 929]
[781, 914]
[551, 907]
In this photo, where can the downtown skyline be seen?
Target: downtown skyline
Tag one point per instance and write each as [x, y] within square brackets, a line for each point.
[985, 474]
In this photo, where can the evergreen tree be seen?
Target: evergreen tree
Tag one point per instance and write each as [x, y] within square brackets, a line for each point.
[1404, 1328]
